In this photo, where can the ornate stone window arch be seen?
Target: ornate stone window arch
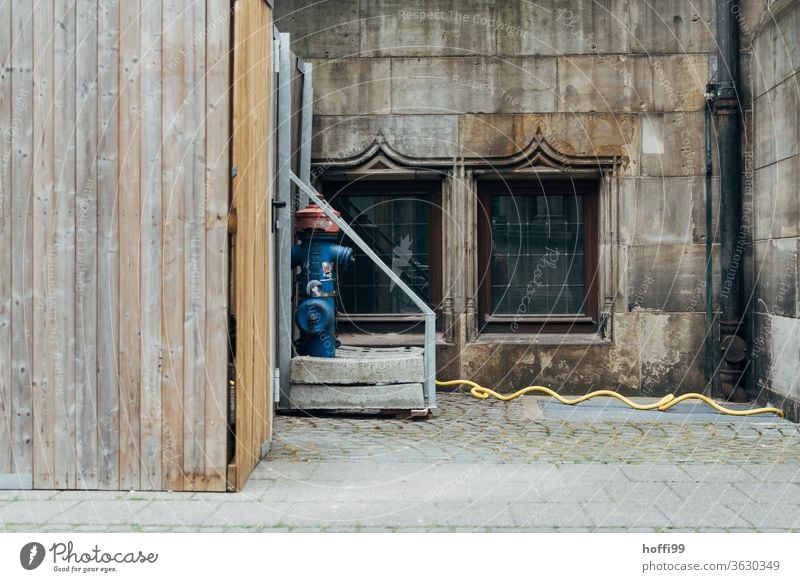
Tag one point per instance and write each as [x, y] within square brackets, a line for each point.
[461, 174]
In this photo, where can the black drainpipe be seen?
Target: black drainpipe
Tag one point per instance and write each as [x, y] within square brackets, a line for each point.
[733, 346]
[710, 355]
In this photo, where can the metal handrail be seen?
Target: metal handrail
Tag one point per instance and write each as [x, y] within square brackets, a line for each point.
[429, 352]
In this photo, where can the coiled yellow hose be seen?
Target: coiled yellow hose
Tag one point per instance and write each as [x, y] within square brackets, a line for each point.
[665, 403]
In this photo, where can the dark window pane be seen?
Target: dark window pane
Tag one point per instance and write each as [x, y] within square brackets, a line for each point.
[537, 260]
[396, 227]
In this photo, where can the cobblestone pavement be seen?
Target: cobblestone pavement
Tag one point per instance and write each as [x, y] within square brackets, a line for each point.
[527, 465]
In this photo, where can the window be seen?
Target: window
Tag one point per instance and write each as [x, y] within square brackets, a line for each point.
[400, 221]
[538, 256]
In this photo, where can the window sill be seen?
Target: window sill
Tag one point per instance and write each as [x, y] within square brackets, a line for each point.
[544, 339]
[388, 339]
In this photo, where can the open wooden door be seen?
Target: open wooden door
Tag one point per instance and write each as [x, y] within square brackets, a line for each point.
[252, 74]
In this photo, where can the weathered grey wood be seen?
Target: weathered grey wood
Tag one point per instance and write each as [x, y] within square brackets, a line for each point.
[22, 243]
[6, 144]
[217, 192]
[86, 245]
[129, 244]
[151, 267]
[44, 263]
[108, 247]
[174, 177]
[62, 293]
[194, 316]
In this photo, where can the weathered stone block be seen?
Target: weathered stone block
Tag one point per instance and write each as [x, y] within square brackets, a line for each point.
[777, 199]
[431, 28]
[671, 352]
[668, 277]
[559, 27]
[352, 86]
[673, 144]
[778, 134]
[785, 336]
[776, 50]
[776, 268]
[360, 366]
[433, 136]
[615, 83]
[672, 26]
[474, 84]
[320, 30]
[323, 397]
[659, 210]
[575, 134]
[679, 82]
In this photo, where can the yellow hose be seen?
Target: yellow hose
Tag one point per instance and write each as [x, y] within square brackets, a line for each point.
[665, 403]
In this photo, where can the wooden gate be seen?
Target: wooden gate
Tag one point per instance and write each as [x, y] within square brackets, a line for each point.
[252, 212]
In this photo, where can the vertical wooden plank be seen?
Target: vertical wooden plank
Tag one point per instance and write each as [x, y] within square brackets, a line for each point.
[262, 365]
[173, 185]
[237, 203]
[251, 151]
[22, 241]
[61, 277]
[44, 257]
[6, 142]
[86, 244]
[151, 214]
[129, 224]
[195, 242]
[108, 246]
[217, 183]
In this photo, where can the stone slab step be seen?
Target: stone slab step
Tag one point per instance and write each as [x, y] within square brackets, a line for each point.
[361, 365]
[407, 396]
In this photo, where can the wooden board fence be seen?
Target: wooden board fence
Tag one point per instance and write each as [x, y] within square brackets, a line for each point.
[115, 120]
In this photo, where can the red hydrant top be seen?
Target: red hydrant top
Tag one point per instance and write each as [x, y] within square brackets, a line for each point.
[312, 218]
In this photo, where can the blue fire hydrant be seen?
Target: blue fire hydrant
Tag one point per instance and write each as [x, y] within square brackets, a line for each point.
[319, 257]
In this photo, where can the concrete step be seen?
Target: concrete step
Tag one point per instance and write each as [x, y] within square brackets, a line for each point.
[407, 396]
[361, 366]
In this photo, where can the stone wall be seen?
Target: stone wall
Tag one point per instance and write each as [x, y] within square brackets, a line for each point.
[457, 80]
[776, 209]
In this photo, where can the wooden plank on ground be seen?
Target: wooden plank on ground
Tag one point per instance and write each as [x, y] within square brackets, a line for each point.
[195, 243]
[129, 244]
[174, 43]
[151, 219]
[86, 245]
[6, 249]
[22, 241]
[218, 88]
[108, 246]
[63, 292]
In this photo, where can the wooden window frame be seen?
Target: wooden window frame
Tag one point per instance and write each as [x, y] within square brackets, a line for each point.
[406, 323]
[515, 324]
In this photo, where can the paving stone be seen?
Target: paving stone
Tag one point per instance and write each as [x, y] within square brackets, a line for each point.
[177, 513]
[102, 512]
[478, 466]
